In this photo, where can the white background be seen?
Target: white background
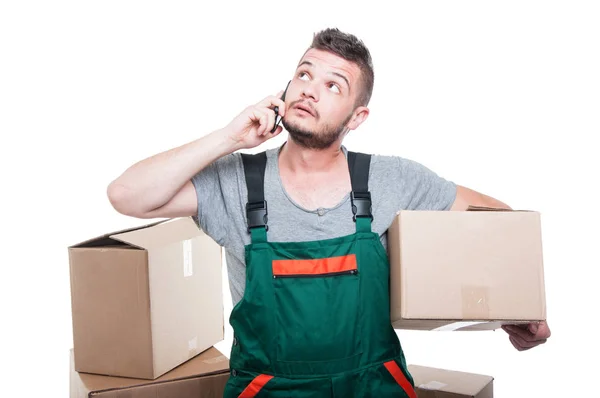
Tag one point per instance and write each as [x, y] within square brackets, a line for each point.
[502, 97]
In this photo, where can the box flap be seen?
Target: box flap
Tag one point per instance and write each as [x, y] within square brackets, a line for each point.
[209, 386]
[484, 208]
[436, 379]
[441, 325]
[209, 362]
[160, 234]
[107, 240]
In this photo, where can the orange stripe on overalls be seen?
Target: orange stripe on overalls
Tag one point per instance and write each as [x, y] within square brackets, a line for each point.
[255, 386]
[317, 266]
[396, 372]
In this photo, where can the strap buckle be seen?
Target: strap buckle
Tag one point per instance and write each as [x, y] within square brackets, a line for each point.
[361, 205]
[256, 212]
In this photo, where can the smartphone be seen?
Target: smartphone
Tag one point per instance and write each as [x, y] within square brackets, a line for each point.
[276, 109]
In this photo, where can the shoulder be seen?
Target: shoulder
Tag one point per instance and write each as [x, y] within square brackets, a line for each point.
[231, 160]
[397, 166]
[237, 158]
[410, 184]
[226, 167]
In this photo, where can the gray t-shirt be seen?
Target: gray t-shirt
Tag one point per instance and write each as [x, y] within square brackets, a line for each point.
[395, 184]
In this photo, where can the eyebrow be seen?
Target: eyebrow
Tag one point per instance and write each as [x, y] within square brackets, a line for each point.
[333, 73]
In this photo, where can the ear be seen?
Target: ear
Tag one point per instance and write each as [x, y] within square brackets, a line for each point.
[359, 115]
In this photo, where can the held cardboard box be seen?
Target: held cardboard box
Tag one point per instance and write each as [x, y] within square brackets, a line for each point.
[465, 270]
[442, 383]
[203, 376]
[146, 299]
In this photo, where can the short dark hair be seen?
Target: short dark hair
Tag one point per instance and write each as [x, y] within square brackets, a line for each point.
[351, 49]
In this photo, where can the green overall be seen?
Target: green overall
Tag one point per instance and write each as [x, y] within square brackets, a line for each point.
[315, 317]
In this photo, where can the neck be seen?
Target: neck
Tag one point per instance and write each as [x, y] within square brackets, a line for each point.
[299, 159]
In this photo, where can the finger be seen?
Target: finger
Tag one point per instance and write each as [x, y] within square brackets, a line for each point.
[264, 123]
[522, 333]
[533, 328]
[281, 108]
[259, 119]
[270, 121]
[525, 343]
[543, 330]
[279, 130]
[516, 344]
[271, 102]
[267, 101]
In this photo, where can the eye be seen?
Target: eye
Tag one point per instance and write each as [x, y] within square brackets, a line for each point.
[334, 86]
[303, 75]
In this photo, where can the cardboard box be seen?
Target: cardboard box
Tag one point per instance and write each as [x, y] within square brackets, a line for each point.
[466, 270]
[203, 376]
[146, 299]
[442, 383]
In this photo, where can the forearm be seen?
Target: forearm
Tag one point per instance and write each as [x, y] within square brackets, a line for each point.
[154, 181]
[493, 202]
[466, 197]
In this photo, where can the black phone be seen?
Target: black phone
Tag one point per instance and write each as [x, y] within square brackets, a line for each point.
[276, 109]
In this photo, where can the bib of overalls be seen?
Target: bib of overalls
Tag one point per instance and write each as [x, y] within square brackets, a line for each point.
[314, 320]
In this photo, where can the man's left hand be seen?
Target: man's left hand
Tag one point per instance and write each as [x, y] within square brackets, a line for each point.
[529, 336]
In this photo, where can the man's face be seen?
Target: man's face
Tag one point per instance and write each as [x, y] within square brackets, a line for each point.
[320, 100]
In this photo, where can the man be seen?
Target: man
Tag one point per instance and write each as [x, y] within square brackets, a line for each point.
[304, 227]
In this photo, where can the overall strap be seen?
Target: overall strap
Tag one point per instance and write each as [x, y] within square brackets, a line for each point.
[256, 207]
[360, 197]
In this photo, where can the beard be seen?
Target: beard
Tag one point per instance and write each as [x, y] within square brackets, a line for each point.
[316, 139]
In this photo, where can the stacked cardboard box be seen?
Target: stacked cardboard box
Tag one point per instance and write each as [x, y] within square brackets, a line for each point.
[203, 376]
[442, 383]
[465, 270]
[146, 305]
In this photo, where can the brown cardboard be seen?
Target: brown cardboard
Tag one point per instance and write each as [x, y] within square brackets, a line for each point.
[443, 383]
[146, 299]
[465, 270]
[203, 376]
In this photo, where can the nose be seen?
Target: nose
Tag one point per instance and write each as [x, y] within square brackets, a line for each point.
[310, 91]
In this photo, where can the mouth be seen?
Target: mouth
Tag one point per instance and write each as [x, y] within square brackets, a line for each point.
[304, 109]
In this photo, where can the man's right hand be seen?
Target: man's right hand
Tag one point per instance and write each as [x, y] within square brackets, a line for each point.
[160, 186]
[253, 126]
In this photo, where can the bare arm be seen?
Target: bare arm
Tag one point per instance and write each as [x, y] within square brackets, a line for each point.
[466, 196]
[160, 186]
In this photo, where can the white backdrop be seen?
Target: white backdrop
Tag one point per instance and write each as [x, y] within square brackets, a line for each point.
[502, 97]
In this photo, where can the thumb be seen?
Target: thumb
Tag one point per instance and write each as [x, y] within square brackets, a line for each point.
[279, 129]
[533, 328]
